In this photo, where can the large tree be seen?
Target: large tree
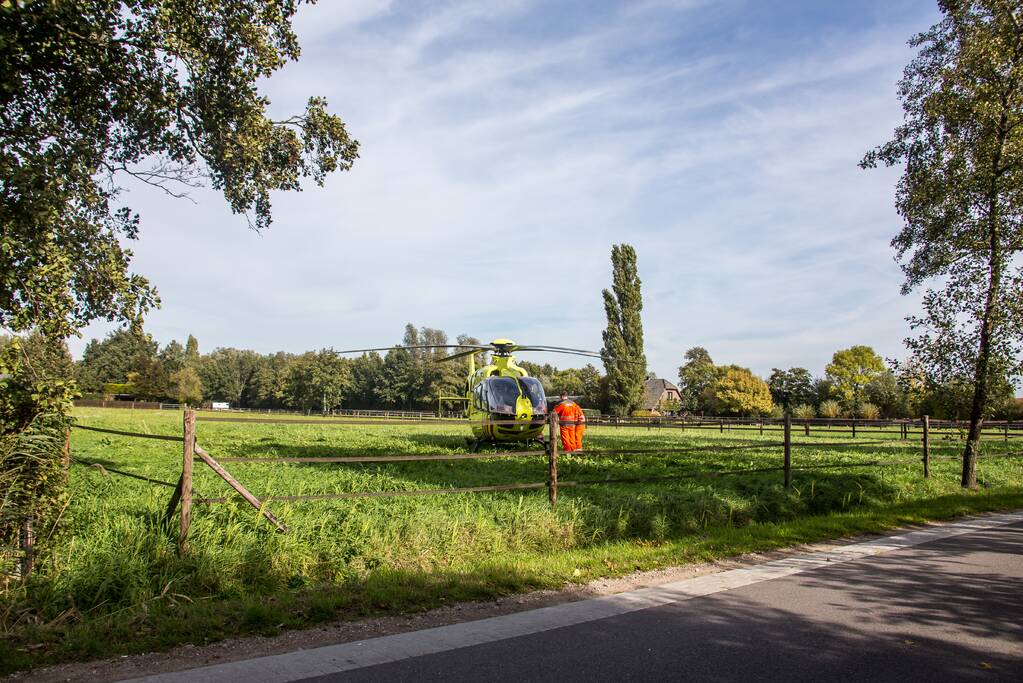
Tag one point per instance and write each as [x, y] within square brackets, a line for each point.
[185, 386]
[792, 387]
[851, 370]
[96, 92]
[111, 359]
[149, 379]
[172, 356]
[737, 391]
[317, 380]
[367, 374]
[695, 378]
[268, 384]
[885, 392]
[622, 353]
[227, 375]
[961, 198]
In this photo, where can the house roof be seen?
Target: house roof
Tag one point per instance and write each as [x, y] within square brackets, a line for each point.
[653, 389]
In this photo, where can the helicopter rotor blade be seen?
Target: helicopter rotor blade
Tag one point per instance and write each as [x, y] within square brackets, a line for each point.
[485, 347]
[547, 349]
[574, 352]
[463, 354]
[465, 350]
[544, 347]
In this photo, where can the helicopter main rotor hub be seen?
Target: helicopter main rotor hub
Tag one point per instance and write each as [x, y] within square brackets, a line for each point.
[503, 347]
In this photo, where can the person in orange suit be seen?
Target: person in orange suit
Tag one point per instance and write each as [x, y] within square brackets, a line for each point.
[572, 422]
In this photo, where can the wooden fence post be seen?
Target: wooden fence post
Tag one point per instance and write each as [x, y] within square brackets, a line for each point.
[721, 425]
[806, 427]
[927, 446]
[853, 422]
[27, 548]
[552, 461]
[788, 450]
[186, 479]
[1006, 431]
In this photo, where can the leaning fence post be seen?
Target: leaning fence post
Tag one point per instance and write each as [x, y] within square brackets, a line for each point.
[186, 479]
[788, 450]
[927, 446]
[552, 461]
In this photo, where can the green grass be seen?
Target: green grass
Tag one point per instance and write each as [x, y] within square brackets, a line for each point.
[113, 582]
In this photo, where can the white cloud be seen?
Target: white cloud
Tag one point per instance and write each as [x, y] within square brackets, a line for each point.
[500, 161]
[329, 18]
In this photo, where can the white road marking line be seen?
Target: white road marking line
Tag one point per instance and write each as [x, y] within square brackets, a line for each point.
[333, 659]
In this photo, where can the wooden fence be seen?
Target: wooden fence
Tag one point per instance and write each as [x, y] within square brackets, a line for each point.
[184, 496]
[133, 405]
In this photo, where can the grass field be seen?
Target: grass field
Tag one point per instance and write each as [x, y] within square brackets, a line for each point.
[114, 582]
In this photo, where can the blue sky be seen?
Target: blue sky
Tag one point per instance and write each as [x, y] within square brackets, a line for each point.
[506, 145]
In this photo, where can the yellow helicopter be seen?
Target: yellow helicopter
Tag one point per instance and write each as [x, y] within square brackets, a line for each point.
[504, 404]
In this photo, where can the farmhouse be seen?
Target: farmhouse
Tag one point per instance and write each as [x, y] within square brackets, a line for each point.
[657, 393]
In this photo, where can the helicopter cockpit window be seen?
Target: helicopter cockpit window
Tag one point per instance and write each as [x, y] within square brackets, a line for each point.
[502, 394]
[532, 388]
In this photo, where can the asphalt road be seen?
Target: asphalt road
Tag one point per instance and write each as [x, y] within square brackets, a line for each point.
[946, 610]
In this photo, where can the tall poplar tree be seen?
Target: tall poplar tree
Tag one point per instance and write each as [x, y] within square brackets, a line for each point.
[623, 339]
[961, 198]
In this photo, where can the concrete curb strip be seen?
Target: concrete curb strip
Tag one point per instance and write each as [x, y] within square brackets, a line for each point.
[334, 659]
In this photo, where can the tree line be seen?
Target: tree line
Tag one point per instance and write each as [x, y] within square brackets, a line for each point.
[132, 363]
[856, 383]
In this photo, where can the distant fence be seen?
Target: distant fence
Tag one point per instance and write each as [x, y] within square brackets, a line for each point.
[415, 415]
[134, 405]
[156, 405]
[185, 497]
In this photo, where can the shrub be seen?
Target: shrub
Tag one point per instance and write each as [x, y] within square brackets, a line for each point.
[868, 411]
[123, 388]
[32, 480]
[777, 412]
[35, 396]
[829, 409]
[804, 411]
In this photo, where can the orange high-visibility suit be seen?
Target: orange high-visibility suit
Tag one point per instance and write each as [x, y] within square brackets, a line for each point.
[573, 424]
